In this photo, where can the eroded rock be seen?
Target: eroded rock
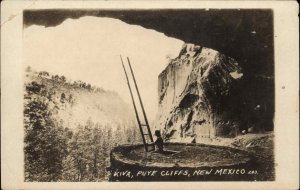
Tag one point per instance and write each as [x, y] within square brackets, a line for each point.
[190, 91]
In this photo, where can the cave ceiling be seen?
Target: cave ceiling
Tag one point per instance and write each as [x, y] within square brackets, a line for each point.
[245, 35]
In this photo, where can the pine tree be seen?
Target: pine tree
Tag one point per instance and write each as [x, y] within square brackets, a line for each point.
[45, 144]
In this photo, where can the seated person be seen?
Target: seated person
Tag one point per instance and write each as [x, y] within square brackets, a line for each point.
[159, 143]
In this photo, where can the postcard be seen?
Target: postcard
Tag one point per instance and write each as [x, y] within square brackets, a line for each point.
[158, 95]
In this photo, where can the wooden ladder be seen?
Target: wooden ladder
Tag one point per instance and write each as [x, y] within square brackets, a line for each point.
[144, 127]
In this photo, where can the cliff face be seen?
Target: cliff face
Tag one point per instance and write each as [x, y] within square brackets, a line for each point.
[191, 89]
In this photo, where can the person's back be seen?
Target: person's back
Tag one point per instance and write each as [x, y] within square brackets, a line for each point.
[160, 144]
[159, 141]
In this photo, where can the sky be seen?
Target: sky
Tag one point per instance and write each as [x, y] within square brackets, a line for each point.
[89, 49]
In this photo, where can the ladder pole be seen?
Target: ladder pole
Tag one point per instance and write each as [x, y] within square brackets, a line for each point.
[139, 96]
[134, 106]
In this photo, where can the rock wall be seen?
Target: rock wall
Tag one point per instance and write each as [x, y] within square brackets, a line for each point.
[190, 91]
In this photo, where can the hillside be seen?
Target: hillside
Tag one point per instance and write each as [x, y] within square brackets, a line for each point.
[70, 128]
[73, 103]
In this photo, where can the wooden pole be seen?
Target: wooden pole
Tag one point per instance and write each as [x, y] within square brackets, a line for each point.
[134, 106]
[139, 96]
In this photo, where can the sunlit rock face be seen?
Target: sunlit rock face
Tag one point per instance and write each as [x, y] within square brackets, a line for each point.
[190, 91]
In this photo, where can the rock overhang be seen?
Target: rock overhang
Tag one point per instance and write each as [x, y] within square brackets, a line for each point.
[244, 34]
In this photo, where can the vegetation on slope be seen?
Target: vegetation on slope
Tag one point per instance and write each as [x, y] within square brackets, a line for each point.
[62, 145]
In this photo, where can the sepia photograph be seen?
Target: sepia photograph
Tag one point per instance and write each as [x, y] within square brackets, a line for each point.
[149, 94]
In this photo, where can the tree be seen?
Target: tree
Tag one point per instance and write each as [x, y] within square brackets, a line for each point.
[34, 88]
[88, 86]
[63, 78]
[28, 69]
[62, 98]
[84, 85]
[45, 144]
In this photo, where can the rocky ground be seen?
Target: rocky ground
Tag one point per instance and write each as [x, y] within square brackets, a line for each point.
[258, 144]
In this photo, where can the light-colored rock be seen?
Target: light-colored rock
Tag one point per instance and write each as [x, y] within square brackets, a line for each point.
[190, 89]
